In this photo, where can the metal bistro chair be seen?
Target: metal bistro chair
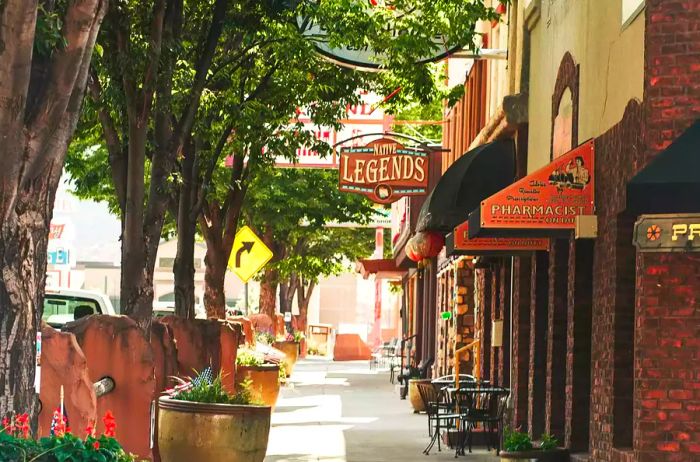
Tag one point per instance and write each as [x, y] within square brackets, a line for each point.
[440, 412]
[484, 406]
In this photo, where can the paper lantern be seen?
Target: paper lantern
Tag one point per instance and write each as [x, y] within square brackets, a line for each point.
[427, 245]
[411, 252]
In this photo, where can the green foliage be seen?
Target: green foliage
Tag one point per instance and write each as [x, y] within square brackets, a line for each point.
[214, 393]
[282, 372]
[298, 336]
[248, 358]
[66, 447]
[516, 441]
[548, 442]
[265, 337]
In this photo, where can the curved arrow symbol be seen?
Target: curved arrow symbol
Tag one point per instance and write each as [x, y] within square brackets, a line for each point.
[246, 246]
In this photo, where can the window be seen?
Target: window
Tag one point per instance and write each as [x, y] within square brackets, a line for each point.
[59, 309]
[166, 262]
[630, 10]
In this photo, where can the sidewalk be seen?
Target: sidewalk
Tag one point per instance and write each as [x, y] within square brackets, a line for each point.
[343, 412]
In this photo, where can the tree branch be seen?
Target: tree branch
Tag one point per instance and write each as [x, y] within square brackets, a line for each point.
[154, 53]
[211, 167]
[117, 156]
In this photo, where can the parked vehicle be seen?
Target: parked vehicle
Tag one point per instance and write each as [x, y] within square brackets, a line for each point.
[62, 306]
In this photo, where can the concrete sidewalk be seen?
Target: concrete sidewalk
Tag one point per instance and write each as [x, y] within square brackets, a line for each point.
[343, 412]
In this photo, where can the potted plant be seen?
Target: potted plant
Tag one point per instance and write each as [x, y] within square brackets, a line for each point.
[264, 377]
[16, 442]
[414, 378]
[519, 446]
[290, 347]
[204, 422]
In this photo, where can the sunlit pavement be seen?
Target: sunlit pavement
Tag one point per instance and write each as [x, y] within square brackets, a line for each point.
[343, 412]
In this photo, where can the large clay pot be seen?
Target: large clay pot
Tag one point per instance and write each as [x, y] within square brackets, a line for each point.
[291, 354]
[189, 431]
[265, 381]
[414, 395]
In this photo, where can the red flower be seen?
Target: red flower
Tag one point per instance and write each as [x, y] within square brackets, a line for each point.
[110, 424]
[5, 423]
[90, 430]
[21, 424]
[96, 445]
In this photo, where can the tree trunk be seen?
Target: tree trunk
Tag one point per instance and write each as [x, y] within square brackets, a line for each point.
[284, 305]
[23, 247]
[304, 298]
[183, 270]
[268, 293]
[41, 99]
[214, 277]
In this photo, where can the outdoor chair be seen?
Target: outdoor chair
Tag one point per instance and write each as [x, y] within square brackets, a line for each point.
[484, 406]
[440, 412]
[421, 371]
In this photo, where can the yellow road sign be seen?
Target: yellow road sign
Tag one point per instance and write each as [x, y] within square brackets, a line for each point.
[249, 254]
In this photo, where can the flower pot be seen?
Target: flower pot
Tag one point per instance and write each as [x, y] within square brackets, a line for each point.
[414, 395]
[291, 354]
[536, 455]
[190, 431]
[265, 382]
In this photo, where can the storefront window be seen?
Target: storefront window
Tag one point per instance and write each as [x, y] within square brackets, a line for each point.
[562, 141]
[630, 10]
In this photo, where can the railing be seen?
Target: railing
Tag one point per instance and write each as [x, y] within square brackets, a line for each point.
[458, 353]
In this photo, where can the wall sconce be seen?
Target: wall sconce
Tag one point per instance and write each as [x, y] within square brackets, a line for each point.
[497, 333]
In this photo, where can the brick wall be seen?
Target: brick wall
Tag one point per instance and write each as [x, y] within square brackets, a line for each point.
[667, 342]
[667, 350]
[521, 340]
[539, 300]
[556, 338]
[617, 153]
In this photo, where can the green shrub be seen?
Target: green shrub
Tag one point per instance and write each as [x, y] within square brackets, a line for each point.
[16, 444]
[265, 337]
[213, 393]
[548, 442]
[248, 358]
[516, 441]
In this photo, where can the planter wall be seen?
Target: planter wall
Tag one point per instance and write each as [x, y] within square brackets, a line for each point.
[350, 347]
[247, 326]
[198, 343]
[115, 347]
[291, 354]
[63, 363]
[554, 455]
[265, 382]
[212, 432]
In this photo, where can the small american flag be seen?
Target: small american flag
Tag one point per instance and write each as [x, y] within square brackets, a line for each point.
[59, 423]
[204, 377]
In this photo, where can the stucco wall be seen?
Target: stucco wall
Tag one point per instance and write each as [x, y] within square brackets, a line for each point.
[611, 60]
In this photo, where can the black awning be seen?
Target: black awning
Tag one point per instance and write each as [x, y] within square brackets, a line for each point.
[671, 182]
[473, 177]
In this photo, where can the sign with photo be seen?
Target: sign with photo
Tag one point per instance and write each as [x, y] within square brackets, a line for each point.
[384, 171]
[550, 198]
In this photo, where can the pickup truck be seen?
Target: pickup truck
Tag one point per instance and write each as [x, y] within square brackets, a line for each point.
[62, 306]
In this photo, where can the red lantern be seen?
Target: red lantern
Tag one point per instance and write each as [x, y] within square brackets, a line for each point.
[429, 244]
[411, 252]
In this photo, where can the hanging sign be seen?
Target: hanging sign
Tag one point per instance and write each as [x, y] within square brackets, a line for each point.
[549, 199]
[478, 246]
[384, 171]
[668, 233]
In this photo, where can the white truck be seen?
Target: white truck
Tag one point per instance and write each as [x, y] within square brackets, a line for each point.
[62, 306]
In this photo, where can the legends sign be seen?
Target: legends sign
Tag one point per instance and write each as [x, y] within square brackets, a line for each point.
[668, 233]
[548, 199]
[477, 246]
[384, 171]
